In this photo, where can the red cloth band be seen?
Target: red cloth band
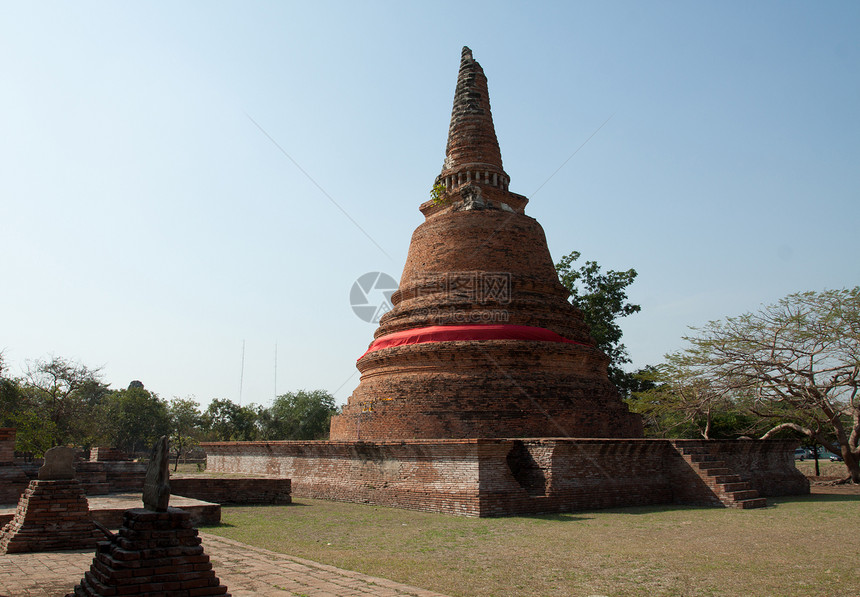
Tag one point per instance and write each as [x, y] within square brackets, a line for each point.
[456, 333]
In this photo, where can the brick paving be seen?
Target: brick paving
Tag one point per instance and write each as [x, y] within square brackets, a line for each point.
[247, 571]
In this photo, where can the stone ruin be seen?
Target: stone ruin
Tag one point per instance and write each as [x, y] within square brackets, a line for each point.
[53, 512]
[483, 393]
[13, 480]
[481, 342]
[107, 471]
[156, 551]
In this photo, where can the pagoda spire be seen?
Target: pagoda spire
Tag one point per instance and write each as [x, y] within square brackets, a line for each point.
[472, 153]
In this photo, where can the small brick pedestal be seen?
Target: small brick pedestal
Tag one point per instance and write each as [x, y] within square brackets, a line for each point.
[153, 553]
[52, 515]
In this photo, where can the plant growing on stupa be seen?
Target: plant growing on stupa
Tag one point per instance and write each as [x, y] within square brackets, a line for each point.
[439, 194]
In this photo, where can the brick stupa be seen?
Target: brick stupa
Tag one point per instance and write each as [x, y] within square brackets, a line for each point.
[483, 394]
[53, 513]
[481, 341]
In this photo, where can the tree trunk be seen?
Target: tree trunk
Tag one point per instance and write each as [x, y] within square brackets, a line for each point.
[815, 456]
[852, 463]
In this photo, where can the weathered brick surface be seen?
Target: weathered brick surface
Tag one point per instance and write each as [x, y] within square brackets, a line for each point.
[768, 466]
[13, 480]
[51, 515]
[437, 476]
[154, 553]
[105, 476]
[7, 445]
[97, 478]
[107, 453]
[495, 477]
[486, 388]
[472, 145]
[502, 388]
[233, 491]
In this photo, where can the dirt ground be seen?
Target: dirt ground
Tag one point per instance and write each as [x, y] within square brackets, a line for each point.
[824, 486]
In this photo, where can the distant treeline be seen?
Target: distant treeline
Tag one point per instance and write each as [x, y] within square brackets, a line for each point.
[60, 402]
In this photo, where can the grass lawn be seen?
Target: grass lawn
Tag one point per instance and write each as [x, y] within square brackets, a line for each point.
[825, 468]
[797, 546]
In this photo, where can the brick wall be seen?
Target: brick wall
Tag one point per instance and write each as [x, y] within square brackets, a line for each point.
[106, 453]
[431, 476]
[7, 445]
[493, 477]
[233, 491]
[13, 480]
[96, 478]
[574, 475]
[100, 477]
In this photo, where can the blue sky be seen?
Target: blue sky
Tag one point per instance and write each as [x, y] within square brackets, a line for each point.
[149, 227]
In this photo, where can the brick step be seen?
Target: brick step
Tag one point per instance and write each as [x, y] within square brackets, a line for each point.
[710, 465]
[722, 479]
[758, 502]
[714, 472]
[735, 486]
[702, 457]
[737, 496]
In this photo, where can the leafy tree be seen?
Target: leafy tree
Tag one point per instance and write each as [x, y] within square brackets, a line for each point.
[797, 361]
[185, 421]
[678, 403]
[602, 298]
[35, 433]
[225, 420]
[133, 419]
[10, 396]
[298, 415]
[63, 393]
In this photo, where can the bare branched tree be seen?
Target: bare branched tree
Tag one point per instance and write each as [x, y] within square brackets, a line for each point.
[798, 360]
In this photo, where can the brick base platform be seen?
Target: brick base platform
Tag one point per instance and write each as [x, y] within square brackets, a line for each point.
[498, 477]
[231, 490]
[52, 515]
[153, 553]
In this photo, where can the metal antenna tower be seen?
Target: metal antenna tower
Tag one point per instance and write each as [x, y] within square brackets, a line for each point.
[242, 373]
[276, 371]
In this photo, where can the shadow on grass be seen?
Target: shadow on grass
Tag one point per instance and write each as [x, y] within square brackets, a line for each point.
[812, 498]
[634, 510]
[292, 504]
[220, 525]
[560, 517]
